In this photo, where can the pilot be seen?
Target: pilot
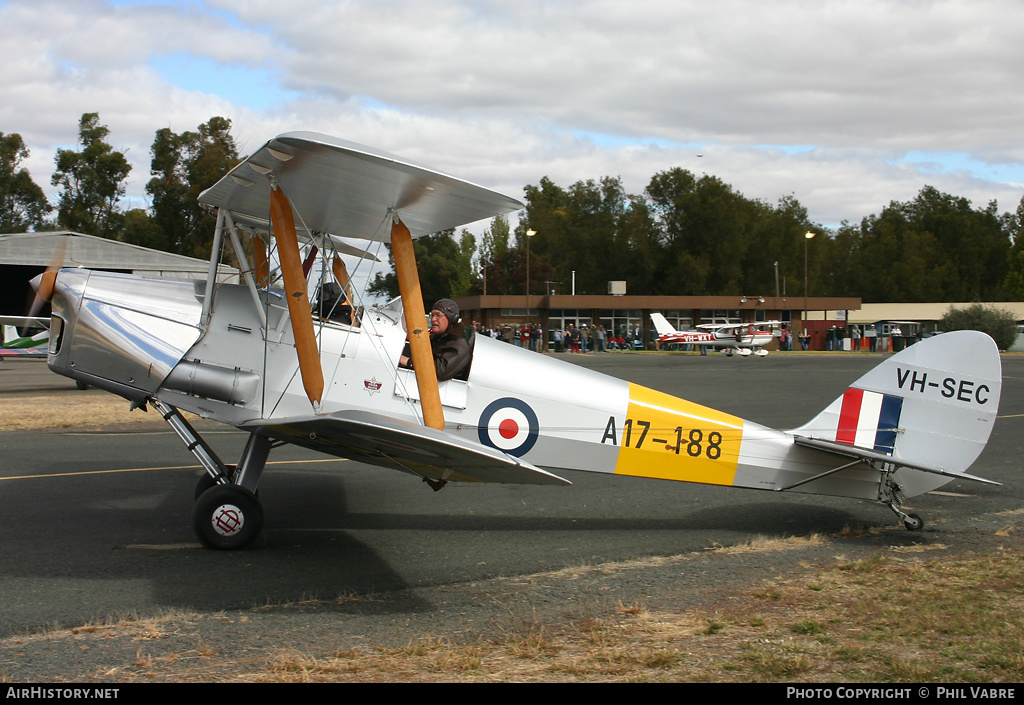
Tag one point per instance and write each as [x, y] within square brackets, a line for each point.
[333, 303]
[452, 347]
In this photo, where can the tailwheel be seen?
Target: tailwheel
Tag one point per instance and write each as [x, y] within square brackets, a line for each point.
[913, 522]
[227, 517]
[892, 497]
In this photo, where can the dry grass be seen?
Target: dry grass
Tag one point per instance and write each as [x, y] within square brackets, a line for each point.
[884, 619]
[893, 617]
[67, 411]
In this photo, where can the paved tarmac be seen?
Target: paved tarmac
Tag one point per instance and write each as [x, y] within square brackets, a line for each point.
[96, 523]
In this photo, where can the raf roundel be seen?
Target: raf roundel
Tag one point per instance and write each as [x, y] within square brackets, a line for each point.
[509, 425]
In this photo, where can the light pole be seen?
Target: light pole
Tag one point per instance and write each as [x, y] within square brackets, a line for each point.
[529, 234]
[803, 319]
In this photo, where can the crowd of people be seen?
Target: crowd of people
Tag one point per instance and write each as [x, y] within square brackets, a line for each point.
[571, 339]
[595, 338]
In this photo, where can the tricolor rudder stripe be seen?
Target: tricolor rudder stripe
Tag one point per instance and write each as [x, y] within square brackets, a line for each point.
[869, 420]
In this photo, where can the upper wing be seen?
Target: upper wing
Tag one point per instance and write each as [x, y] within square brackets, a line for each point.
[381, 440]
[733, 326]
[347, 189]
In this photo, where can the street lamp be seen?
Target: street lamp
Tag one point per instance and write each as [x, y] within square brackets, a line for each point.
[807, 237]
[529, 234]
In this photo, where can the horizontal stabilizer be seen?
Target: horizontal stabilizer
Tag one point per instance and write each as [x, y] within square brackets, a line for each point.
[855, 452]
[381, 440]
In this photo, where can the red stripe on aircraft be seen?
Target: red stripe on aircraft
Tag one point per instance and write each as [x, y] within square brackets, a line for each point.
[849, 416]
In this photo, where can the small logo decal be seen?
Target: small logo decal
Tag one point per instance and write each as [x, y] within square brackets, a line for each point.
[509, 425]
[228, 520]
[372, 385]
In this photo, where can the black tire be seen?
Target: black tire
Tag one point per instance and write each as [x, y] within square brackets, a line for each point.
[227, 517]
[81, 385]
[913, 522]
[206, 481]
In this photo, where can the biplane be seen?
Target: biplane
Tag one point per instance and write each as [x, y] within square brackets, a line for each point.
[269, 356]
[742, 339]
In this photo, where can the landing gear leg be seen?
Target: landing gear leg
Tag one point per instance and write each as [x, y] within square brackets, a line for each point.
[892, 497]
[227, 514]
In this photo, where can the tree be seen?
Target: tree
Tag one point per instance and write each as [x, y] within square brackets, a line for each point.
[495, 240]
[1014, 224]
[933, 248]
[92, 182]
[494, 248]
[141, 229]
[707, 230]
[998, 323]
[23, 204]
[442, 264]
[581, 229]
[183, 166]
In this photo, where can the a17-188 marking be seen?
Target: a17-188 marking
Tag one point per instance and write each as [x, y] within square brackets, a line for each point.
[694, 443]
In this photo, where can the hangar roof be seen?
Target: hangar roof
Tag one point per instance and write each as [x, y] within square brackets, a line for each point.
[79, 250]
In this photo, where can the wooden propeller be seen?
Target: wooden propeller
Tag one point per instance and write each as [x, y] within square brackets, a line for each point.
[44, 283]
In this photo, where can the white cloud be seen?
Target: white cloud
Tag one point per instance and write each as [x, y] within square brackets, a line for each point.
[504, 92]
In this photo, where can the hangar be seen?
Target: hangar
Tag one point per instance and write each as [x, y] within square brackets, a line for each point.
[24, 255]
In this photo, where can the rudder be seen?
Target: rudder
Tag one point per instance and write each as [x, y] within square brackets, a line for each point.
[933, 404]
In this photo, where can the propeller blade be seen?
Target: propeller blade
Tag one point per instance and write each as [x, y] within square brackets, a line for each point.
[298, 298]
[44, 283]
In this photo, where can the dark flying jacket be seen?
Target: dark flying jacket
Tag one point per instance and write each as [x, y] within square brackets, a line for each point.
[453, 353]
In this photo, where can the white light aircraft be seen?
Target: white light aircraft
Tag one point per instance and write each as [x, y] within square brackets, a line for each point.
[17, 345]
[733, 338]
[255, 355]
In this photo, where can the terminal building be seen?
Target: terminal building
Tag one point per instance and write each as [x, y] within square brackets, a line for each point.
[630, 316]
[819, 316]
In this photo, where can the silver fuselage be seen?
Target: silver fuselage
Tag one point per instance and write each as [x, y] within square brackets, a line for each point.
[146, 338]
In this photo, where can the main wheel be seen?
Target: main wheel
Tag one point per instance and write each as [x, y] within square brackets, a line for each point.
[913, 522]
[227, 517]
[206, 481]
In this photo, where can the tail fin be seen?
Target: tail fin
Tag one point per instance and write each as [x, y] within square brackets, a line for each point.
[661, 325]
[10, 335]
[931, 406]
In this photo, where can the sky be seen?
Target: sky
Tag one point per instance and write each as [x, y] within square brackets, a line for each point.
[845, 105]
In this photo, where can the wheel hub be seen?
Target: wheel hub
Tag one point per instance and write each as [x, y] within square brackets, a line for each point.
[227, 520]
